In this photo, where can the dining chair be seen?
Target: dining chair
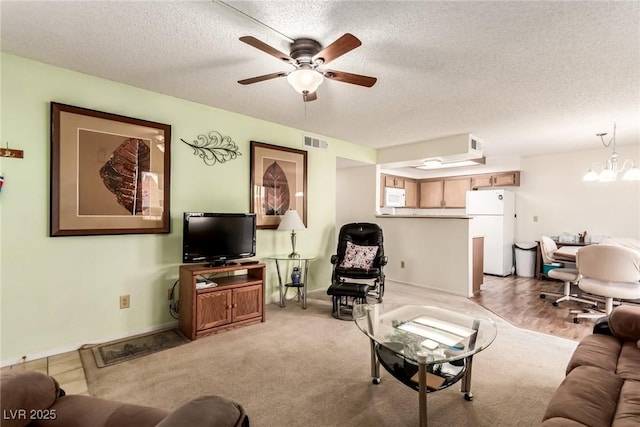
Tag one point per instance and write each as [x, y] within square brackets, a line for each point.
[609, 271]
[569, 276]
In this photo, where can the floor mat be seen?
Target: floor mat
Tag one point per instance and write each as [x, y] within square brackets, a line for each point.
[131, 348]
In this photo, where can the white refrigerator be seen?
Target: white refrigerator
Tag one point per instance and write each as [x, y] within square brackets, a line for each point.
[494, 214]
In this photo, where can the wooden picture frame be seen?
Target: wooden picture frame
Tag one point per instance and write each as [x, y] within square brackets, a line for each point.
[278, 183]
[110, 174]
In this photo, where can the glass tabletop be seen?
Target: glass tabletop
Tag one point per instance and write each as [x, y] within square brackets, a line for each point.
[288, 258]
[431, 334]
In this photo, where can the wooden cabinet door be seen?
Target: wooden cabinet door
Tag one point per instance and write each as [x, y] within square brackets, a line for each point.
[455, 192]
[506, 179]
[479, 181]
[411, 193]
[389, 181]
[393, 181]
[213, 309]
[431, 192]
[247, 303]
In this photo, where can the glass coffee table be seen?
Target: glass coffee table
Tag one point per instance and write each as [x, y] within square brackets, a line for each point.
[426, 348]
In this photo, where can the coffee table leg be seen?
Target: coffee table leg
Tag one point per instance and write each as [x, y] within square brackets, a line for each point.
[375, 364]
[466, 380]
[422, 389]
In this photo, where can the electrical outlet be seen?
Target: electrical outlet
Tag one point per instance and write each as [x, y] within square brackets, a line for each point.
[535, 218]
[124, 301]
[169, 294]
[401, 264]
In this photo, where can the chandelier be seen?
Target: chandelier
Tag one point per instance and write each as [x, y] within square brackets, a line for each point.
[610, 170]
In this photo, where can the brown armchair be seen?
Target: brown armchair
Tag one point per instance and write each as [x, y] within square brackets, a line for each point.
[33, 399]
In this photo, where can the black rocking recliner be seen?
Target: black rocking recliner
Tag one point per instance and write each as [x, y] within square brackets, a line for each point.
[358, 266]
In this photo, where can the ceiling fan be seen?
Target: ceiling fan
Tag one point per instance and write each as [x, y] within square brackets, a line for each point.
[307, 56]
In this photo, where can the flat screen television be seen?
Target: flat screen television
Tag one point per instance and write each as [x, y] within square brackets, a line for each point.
[217, 238]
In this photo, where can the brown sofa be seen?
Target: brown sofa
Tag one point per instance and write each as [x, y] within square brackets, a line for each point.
[602, 385]
[34, 399]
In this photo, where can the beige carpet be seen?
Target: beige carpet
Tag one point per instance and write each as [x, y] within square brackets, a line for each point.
[305, 368]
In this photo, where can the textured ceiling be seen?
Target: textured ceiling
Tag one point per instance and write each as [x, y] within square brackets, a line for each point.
[526, 77]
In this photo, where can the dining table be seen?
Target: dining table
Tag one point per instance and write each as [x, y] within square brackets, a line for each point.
[566, 253]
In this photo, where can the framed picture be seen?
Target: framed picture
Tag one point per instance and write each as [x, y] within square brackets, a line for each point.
[109, 173]
[278, 183]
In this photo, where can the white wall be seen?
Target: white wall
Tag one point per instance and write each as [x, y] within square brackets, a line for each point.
[355, 195]
[552, 189]
[436, 252]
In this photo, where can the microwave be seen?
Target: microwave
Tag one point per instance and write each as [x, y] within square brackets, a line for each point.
[394, 197]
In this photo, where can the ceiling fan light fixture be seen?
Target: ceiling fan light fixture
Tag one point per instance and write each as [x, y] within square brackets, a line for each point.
[305, 80]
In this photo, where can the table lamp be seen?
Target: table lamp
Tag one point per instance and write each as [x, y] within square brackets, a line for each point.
[291, 221]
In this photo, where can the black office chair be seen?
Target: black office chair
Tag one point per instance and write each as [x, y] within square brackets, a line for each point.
[358, 266]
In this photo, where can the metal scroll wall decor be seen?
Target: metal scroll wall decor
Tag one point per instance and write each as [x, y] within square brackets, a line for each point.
[214, 148]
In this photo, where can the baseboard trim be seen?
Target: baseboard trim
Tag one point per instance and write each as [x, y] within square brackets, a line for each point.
[425, 286]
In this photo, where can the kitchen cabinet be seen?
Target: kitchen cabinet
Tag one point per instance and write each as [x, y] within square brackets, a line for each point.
[500, 179]
[410, 186]
[393, 181]
[455, 192]
[444, 192]
[431, 193]
[411, 193]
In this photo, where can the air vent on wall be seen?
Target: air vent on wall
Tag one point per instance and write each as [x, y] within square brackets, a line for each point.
[475, 144]
[311, 141]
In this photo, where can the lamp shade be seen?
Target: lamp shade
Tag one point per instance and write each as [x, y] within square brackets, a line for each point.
[305, 80]
[291, 221]
[607, 175]
[591, 176]
[632, 174]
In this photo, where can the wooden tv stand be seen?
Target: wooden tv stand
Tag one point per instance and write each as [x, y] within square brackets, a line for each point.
[237, 300]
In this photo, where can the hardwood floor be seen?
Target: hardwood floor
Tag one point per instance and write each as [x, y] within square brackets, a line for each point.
[517, 300]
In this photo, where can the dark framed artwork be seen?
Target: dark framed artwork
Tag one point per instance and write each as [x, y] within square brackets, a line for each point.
[110, 174]
[278, 183]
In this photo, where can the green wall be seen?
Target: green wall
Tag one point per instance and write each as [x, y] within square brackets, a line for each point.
[59, 293]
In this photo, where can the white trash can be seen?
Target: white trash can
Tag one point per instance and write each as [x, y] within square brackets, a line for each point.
[525, 258]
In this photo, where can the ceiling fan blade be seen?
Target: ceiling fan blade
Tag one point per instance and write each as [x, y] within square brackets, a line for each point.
[338, 48]
[262, 78]
[355, 79]
[252, 41]
[309, 97]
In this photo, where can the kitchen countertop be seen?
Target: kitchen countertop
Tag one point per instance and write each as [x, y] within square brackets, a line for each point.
[443, 216]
